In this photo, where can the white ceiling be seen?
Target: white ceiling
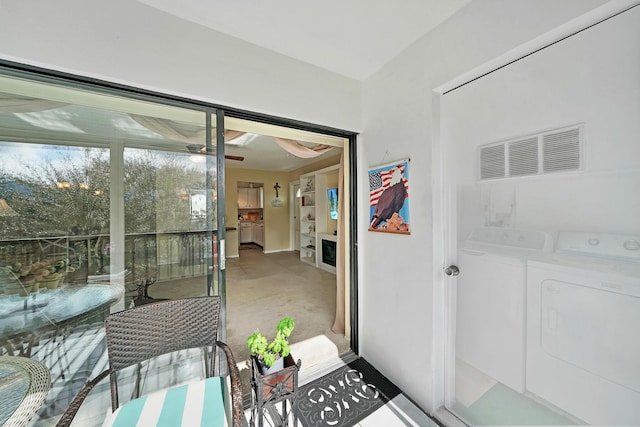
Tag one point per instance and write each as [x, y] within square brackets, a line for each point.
[354, 38]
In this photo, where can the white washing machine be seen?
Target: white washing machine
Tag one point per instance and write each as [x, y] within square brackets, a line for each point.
[490, 300]
[583, 327]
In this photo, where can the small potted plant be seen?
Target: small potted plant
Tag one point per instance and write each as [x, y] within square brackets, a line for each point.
[270, 355]
[54, 273]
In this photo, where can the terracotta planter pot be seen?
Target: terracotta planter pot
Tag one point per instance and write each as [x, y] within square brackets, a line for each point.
[50, 283]
[28, 287]
[22, 289]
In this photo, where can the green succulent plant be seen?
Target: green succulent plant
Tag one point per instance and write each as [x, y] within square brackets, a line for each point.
[268, 352]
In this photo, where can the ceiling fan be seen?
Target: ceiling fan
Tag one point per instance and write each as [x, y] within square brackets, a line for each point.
[201, 149]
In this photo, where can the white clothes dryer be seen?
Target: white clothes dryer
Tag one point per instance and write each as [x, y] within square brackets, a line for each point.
[583, 327]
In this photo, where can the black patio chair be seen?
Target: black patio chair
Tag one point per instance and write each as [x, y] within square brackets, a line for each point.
[145, 332]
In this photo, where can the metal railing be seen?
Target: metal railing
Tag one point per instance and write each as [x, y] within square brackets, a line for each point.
[158, 255]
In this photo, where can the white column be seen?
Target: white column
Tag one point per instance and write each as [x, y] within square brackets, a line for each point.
[116, 198]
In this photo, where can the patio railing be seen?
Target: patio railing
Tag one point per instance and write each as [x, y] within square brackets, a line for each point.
[157, 256]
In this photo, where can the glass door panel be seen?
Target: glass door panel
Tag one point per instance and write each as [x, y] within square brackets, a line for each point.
[545, 232]
[170, 200]
[168, 237]
[105, 202]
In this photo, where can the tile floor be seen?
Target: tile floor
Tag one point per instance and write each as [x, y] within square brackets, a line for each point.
[399, 412]
[281, 285]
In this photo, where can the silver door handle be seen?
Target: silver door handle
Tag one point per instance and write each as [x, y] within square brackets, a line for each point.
[452, 270]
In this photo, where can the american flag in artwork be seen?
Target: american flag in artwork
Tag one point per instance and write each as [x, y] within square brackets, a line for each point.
[381, 180]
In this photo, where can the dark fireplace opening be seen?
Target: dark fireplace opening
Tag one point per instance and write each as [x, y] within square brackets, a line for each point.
[329, 252]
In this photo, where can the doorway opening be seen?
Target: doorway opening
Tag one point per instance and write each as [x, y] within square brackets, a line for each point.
[249, 199]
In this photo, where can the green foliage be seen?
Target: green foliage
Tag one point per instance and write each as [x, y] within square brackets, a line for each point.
[67, 197]
[269, 352]
[67, 191]
[71, 195]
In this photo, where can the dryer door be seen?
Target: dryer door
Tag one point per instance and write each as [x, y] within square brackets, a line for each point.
[582, 344]
[592, 329]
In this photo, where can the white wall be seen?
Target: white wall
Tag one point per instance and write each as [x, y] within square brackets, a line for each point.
[401, 306]
[127, 42]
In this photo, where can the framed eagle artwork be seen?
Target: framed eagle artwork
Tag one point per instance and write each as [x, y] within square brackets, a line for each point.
[389, 197]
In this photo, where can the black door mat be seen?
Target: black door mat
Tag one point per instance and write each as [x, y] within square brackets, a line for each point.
[343, 397]
[249, 246]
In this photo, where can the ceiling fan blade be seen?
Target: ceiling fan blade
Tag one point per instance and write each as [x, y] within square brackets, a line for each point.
[196, 149]
[201, 149]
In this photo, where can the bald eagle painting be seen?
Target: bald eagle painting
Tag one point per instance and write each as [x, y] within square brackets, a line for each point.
[389, 197]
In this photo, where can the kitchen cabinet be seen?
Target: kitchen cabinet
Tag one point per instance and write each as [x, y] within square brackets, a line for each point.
[250, 198]
[246, 232]
[258, 233]
[252, 232]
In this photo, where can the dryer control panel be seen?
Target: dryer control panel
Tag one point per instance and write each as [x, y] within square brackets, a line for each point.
[623, 246]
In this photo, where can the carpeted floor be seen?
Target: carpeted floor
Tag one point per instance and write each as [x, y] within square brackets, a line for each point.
[264, 288]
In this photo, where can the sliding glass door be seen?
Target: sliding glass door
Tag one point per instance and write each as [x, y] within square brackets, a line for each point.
[106, 202]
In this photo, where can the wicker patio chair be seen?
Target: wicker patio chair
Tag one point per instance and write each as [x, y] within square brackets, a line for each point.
[145, 332]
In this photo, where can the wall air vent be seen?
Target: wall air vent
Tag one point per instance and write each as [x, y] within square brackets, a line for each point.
[492, 163]
[559, 150]
[523, 157]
